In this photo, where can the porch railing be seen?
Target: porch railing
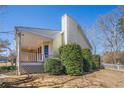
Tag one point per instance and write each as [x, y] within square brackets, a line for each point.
[32, 57]
[33, 63]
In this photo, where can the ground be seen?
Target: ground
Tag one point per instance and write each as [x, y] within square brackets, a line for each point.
[102, 78]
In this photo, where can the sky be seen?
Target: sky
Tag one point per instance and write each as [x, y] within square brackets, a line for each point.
[48, 17]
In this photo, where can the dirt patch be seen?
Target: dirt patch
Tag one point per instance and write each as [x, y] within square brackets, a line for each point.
[103, 78]
[10, 73]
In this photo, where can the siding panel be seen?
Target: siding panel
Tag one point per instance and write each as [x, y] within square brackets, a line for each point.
[74, 33]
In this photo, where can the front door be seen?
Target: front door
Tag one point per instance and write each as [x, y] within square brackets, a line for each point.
[46, 51]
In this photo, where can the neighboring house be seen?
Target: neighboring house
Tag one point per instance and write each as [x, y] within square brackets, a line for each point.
[35, 44]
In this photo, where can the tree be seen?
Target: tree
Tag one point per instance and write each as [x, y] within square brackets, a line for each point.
[121, 23]
[121, 20]
[4, 44]
[12, 57]
[2, 15]
[109, 33]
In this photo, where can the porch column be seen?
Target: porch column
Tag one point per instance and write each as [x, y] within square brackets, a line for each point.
[38, 54]
[43, 55]
[18, 43]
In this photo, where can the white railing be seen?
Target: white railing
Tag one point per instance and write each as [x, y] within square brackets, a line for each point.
[113, 66]
[32, 57]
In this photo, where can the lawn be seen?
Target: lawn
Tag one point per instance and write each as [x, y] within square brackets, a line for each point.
[103, 78]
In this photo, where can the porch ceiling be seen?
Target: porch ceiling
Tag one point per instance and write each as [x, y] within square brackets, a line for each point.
[32, 41]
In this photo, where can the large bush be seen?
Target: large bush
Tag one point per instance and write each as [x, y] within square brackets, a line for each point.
[53, 66]
[87, 60]
[71, 57]
[96, 61]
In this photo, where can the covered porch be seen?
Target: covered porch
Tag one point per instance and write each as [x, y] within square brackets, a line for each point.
[32, 49]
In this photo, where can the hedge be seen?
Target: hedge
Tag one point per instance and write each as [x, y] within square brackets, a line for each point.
[96, 61]
[53, 66]
[71, 58]
[7, 68]
[87, 60]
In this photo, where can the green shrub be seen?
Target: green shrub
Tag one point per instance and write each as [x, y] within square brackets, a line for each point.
[87, 60]
[71, 57]
[12, 68]
[7, 68]
[96, 61]
[86, 65]
[53, 66]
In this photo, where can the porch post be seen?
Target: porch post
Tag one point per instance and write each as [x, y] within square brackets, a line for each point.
[40, 54]
[43, 55]
[18, 43]
[37, 54]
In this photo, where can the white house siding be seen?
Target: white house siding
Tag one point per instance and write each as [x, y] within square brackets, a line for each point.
[50, 48]
[57, 42]
[73, 32]
[64, 28]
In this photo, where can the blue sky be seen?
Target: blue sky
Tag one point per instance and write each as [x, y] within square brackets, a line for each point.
[49, 17]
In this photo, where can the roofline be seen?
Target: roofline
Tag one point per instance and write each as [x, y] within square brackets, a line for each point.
[38, 35]
[32, 33]
[85, 36]
[16, 27]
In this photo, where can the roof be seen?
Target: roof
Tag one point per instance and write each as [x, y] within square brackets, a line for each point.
[49, 33]
[85, 37]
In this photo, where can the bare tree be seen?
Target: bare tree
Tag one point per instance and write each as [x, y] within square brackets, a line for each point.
[12, 57]
[2, 16]
[121, 23]
[4, 44]
[108, 32]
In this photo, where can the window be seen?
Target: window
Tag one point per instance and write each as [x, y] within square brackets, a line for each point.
[46, 51]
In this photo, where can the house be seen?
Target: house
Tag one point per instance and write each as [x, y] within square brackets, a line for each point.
[33, 45]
